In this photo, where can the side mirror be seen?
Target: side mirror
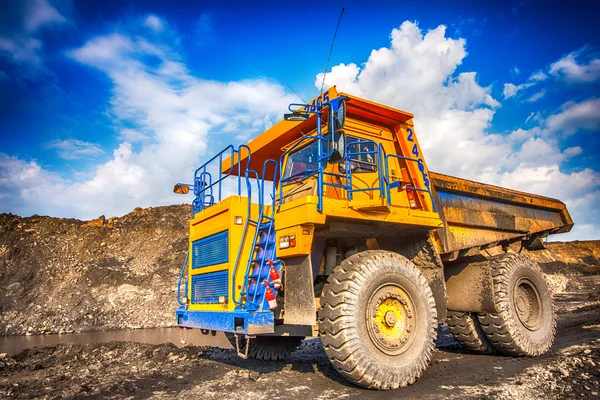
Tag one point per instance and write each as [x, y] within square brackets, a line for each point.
[181, 188]
[338, 147]
[337, 118]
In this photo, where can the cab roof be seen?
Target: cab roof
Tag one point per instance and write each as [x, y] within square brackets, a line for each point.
[272, 143]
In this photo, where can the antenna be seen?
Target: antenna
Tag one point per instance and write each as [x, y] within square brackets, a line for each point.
[331, 49]
[292, 89]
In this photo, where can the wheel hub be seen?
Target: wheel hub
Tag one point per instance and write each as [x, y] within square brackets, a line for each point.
[527, 303]
[390, 319]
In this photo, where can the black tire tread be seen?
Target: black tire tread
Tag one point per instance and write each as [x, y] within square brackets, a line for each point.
[467, 331]
[501, 328]
[268, 348]
[339, 333]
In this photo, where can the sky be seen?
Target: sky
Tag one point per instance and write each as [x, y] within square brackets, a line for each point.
[105, 105]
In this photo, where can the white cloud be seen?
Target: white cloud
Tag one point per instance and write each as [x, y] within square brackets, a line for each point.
[19, 38]
[511, 90]
[72, 149]
[548, 180]
[412, 65]
[132, 136]
[571, 152]
[171, 115]
[40, 13]
[453, 114]
[535, 116]
[538, 76]
[572, 70]
[576, 116]
[154, 23]
[25, 186]
[536, 96]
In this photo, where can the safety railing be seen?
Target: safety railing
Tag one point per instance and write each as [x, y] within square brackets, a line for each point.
[355, 157]
[205, 187]
[391, 185]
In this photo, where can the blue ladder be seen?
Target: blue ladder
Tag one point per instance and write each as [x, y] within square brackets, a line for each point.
[258, 267]
[263, 250]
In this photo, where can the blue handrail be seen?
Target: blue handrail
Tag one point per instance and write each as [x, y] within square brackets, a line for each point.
[378, 152]
[203, 182]
[183, 270]
[424, 175]
[246, 225]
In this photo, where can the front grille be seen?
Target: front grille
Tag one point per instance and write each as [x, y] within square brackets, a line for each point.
[210, 250]
[207, 288]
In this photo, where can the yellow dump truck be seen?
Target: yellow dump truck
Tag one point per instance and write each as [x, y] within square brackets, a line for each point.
[330, 223]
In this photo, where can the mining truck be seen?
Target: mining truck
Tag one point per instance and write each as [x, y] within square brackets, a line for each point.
[330, 224]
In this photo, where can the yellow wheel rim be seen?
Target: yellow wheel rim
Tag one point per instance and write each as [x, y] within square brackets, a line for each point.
[390, 319]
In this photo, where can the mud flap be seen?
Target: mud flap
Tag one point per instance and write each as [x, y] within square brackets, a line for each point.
[299, 293]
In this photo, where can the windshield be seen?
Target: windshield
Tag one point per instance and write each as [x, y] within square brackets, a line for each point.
[302, 163]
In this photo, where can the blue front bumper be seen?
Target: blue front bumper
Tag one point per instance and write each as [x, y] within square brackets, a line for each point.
[228, 321]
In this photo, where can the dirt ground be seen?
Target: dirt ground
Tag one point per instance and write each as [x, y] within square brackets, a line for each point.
[136, 370]
[63, 275]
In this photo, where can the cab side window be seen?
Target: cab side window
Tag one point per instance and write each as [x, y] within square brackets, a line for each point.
[362, 154]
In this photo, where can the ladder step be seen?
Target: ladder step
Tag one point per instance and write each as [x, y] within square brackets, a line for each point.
[265, 242]
[265, 225]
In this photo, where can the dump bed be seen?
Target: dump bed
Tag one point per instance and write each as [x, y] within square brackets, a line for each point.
[477, 215]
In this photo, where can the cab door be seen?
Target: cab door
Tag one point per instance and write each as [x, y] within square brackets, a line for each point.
[362, 168]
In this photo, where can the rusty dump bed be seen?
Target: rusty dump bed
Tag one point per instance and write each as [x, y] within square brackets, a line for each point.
[479, 215]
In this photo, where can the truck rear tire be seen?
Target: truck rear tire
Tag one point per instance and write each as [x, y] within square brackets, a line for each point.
[466, 329]
[524, 324]
[377, 320]
[268, 348]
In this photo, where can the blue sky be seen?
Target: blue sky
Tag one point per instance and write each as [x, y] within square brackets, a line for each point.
[104, 105]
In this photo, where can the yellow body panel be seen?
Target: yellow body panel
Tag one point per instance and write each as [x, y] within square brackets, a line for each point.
[304, 210]
[215, 219]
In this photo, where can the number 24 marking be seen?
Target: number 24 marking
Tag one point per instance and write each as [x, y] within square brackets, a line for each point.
[415, 150]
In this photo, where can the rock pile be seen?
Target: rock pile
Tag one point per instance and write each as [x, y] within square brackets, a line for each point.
[65, 275]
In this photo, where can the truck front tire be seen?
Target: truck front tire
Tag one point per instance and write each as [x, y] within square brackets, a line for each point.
[377, 320]
[524, 324]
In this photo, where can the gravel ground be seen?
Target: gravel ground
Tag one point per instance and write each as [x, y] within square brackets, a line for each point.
[138, 370]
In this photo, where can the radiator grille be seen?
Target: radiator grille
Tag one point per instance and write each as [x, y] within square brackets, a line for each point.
[211, 250]
[207, 288]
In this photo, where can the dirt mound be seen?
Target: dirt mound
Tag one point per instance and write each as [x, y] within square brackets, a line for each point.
[571, 266]
[62, 275]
